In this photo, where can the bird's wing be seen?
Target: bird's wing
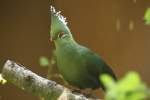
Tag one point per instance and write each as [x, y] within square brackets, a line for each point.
[96, 65]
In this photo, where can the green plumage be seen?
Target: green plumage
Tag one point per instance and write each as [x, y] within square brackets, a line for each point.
[77, 64]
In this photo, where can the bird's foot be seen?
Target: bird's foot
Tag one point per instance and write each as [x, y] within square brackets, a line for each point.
[86, 92]
[76, 91]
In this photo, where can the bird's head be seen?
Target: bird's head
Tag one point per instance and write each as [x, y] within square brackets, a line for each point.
[59, 28]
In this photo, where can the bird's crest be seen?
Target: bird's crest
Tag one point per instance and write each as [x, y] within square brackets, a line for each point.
[58, 23]
[58, 15]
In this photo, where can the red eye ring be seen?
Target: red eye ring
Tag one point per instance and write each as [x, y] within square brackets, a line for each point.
[60, 34]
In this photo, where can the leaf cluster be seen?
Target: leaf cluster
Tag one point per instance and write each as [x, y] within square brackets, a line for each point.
[130, 87]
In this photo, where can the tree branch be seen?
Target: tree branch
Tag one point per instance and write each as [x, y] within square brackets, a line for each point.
[26, 80]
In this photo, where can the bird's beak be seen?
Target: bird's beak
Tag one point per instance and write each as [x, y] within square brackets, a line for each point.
[51, 39]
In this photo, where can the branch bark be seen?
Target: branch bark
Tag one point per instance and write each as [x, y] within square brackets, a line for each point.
[26, 80]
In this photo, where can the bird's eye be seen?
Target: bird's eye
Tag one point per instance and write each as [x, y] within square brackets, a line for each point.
[60, 34]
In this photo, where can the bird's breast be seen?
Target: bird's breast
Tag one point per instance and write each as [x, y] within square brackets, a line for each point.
[70, 64]
[67, 60]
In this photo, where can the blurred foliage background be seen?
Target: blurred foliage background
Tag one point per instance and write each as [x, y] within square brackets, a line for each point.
[115, 29]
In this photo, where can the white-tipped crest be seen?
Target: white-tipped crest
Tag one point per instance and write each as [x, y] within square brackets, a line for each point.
[57, 14]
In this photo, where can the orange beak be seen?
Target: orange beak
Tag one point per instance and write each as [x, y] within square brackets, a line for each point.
[51, 39]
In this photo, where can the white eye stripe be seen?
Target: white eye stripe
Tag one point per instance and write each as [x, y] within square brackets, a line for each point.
[60, 35]
[64, 35]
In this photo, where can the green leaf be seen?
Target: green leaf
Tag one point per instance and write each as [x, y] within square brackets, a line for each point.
[44, 61]
[131, 81]
[107, 80]
[2, 80]
[147, 16]
[130, 87]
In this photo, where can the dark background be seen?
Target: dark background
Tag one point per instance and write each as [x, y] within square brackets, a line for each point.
[114, 29]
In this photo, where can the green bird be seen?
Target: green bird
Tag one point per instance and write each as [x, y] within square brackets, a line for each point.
[78, 65]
